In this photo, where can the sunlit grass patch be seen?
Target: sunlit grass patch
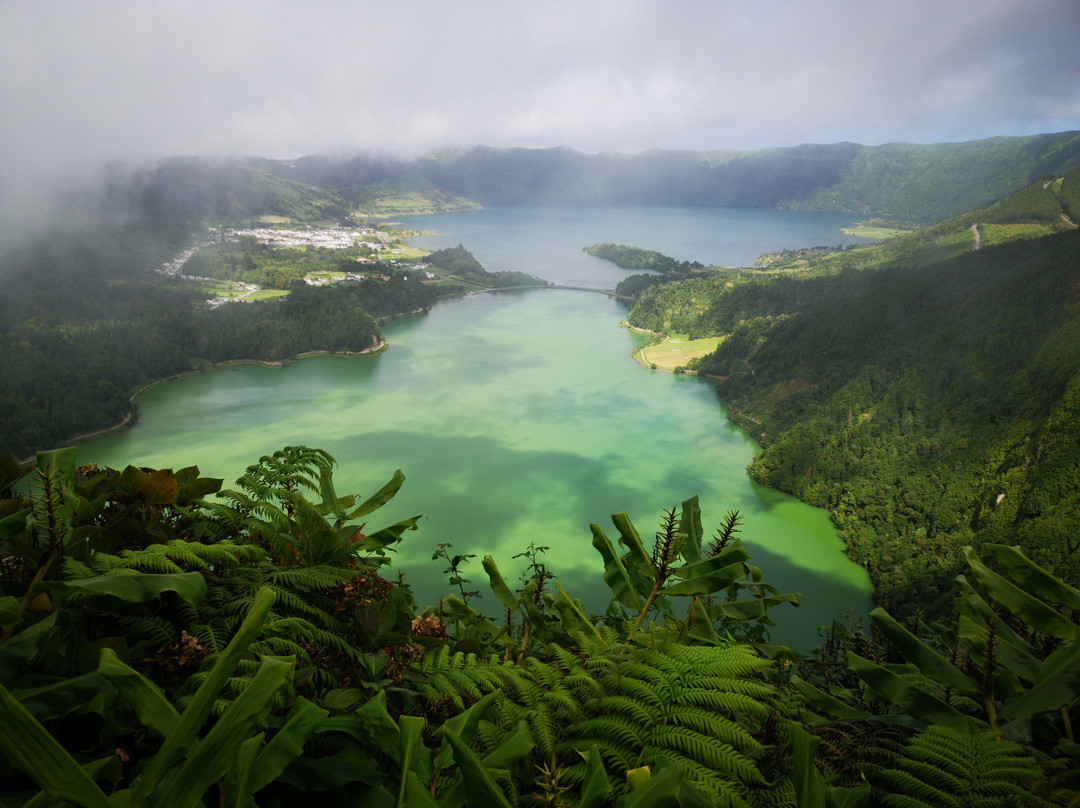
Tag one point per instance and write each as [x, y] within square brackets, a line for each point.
[676, 351]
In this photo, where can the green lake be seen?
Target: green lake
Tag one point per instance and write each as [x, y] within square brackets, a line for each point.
[517, 417]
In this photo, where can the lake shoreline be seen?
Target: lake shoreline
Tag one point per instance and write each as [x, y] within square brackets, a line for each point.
[132, 417]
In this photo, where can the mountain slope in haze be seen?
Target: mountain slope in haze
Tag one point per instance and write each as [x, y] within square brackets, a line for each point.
[915, 182]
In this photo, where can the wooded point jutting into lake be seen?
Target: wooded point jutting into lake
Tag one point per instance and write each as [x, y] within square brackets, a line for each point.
[397, 512]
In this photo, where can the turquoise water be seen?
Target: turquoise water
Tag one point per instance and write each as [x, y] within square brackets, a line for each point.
[517, 417]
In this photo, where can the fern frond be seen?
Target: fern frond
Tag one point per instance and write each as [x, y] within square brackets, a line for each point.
[945, 767]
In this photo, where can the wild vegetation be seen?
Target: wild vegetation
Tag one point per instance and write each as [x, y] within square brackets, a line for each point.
[162, 648]
[925, 403]
[460, 264]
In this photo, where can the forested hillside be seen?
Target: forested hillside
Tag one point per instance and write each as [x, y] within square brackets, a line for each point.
[926, 403]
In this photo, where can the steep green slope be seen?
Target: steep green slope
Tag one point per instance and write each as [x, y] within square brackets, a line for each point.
[927, 408]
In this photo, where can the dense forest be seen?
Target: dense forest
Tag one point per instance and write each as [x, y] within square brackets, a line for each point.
[927, 405]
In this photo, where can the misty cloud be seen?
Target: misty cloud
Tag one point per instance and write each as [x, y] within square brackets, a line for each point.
[133, 80]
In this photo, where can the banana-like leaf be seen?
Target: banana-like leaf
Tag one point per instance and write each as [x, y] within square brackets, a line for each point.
[823, 702]
[477, 779]
[194, 717]
[23, 647]
[30, 748]
[701, 625]
[288, 742]
[637, 561]
[511, 751]
[596, 788]
[912, 699]
[214, 755]
[502, 592]
[154, 711]
[1027, 607]
[711, 574]
[136, 588]
[387, 536]
[922, 656]
[415, 794]
[660, 792]
[805, 776]
[66, 697]
[752, 608]
[1058, 686]
[9, 611]
[14, 524]
[413, 756]
[973, 626]
[379, 498]
[464, 725]
[1032, 577]
[614, 573]
[573, 618]
[690, 526]
[376, 722]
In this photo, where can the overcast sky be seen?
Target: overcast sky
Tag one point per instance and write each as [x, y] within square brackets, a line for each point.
[87, 80]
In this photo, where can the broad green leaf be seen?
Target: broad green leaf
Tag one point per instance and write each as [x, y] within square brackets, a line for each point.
[911, 698]
[477, 779]
[137, 587]
[287, 742]
[573, 618]
[701, 625]
[690, 526]
[922, 656]
[502, 592]
[805, 776]
[1058, 686]
[24, 646]
[464, 725]
[31, 749]
[661, 790]
[711, 574]
[614, 573]
[636, 560]
[512, 750]
[413, 756]
[212, 757]
[155, 711]
[1030, 609]
[378, 725]
[238, 789]
[348, 765]
[596, 788]
[823, 702]
[1032, 577]
[973, 626]
[66, 697]
[9, 611]
[194, 717]
[379, 498]
[752, 608]
[416, 794]
[14, 524]
[386, 536]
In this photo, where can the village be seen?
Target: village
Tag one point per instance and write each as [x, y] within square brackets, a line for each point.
[378, 242]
